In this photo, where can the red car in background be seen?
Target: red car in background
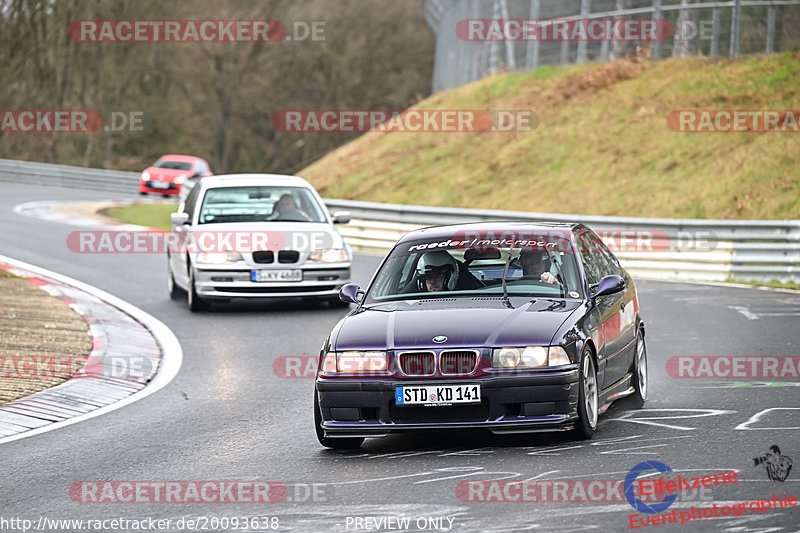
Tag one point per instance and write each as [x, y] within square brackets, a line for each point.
[166, 176]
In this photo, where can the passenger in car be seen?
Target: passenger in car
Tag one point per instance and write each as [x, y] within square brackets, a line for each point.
[537, 265]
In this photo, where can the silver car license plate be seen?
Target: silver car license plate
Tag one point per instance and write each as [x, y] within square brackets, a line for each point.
[276, 275]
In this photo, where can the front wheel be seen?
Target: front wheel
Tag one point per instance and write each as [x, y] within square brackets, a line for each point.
[587, 398]
[194, 302]
[337, 444]
[172, 288]
[640, 372]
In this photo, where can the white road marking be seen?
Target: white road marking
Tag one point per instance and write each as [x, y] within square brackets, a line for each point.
[552, 450]
[756, 417]
[627, 451]
[626, 417]
[744, 311]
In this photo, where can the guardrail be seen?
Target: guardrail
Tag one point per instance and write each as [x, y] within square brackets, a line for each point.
[715, 250]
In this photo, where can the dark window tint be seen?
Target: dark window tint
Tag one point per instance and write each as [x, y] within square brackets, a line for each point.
[589, 257]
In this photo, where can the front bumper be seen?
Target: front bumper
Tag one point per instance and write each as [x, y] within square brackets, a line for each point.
[224, 282]
[518, 403]
[146, 186]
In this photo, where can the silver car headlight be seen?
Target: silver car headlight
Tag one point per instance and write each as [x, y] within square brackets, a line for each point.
[328, 255]
[529, 357]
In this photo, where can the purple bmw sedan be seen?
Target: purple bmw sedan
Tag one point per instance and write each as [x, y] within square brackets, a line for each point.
[511, 327]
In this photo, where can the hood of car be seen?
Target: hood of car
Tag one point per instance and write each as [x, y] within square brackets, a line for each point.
[473, 324]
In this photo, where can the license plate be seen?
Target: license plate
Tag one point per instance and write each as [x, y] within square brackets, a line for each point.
[433, 395]
[276, 275]
[159, 185]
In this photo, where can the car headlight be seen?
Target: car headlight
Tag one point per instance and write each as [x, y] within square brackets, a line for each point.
[355, 362]
[506, 357]
[219, 257]
[145, 176]
[529, 357]
[328, 255]
[180, 179]
[558, 356]
[534, 356]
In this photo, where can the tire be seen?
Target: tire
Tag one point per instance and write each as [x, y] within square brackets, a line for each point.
[194, 302]
[143, 193]
[173, 290]
[336, 444]
[640, 372]
[588, 402]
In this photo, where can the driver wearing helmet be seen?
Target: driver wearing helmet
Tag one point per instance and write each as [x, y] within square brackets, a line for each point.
[437, 271]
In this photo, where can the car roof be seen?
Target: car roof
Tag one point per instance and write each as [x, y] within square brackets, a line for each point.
[250, 180]
[496, 228]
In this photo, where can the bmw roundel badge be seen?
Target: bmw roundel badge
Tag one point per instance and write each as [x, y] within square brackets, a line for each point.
[439, 338]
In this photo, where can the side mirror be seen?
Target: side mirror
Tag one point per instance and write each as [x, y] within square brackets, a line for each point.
[351, 293]
[179, 219]
[340, 217]
[608, 285]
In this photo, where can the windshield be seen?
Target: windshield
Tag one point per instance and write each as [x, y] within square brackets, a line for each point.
[413, 271]
[172, 165]
[260, 204]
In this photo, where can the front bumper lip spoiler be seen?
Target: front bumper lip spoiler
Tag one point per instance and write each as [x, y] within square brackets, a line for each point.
[549, 423]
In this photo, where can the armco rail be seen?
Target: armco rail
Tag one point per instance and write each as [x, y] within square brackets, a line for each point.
[698, 249]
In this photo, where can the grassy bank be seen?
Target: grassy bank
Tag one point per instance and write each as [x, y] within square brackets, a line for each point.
[602, 145]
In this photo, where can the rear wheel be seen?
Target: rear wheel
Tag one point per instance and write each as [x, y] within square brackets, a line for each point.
[640, 372]
[587, 398]
[143, 193]
[337, 444]
[194, 302]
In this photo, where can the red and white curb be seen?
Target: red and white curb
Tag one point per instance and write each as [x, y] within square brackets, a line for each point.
[133, 355]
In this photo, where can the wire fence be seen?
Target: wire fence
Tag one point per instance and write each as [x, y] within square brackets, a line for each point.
[723, 29]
